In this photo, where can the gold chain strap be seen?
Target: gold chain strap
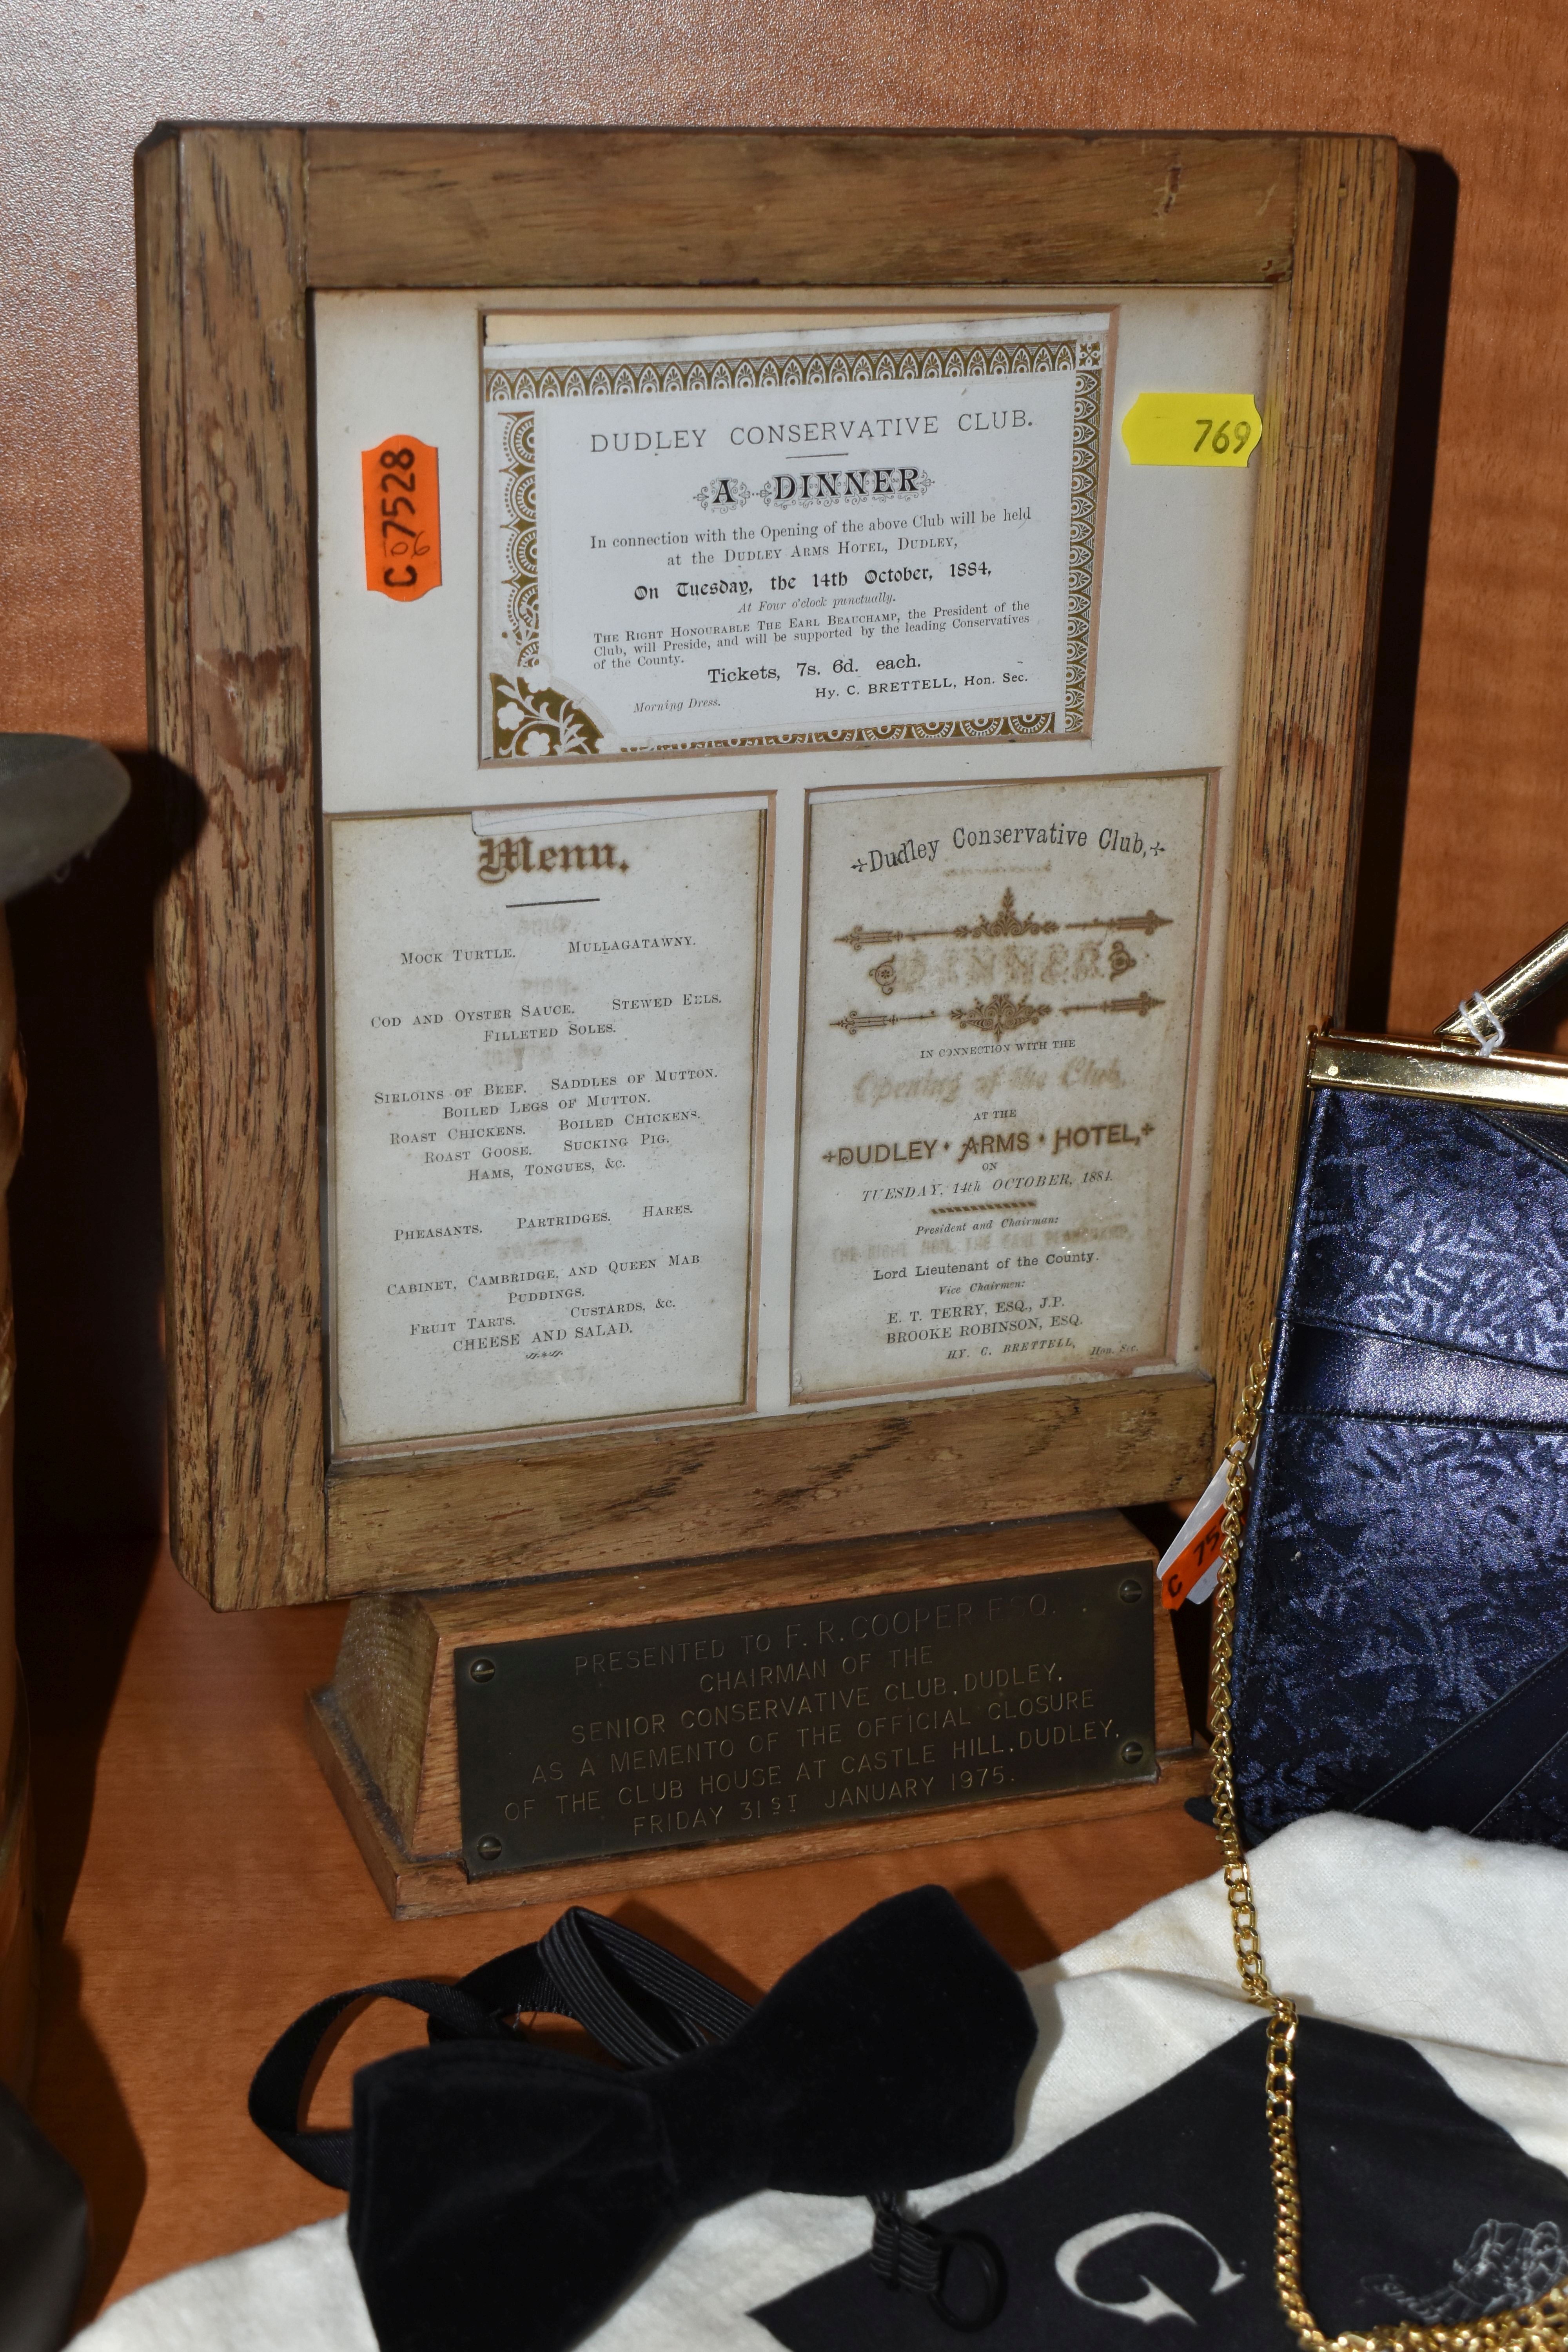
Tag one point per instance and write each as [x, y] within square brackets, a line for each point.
[1543, 2326]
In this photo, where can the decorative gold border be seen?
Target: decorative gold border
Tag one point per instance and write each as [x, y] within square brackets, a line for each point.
[1082, 355]
[1002, 1014]
[911, 362]
[522, 538]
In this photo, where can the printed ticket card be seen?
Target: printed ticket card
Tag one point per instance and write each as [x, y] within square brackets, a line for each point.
[839, 536]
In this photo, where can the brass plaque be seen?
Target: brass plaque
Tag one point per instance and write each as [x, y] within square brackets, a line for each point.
[713, 1728]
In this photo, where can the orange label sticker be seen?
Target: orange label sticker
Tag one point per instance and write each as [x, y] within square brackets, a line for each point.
[402, 518]
[1187, 1570]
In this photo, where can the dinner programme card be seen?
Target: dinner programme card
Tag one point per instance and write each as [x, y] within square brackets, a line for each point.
[850, 535]
[994, 1077]
[544, 1077]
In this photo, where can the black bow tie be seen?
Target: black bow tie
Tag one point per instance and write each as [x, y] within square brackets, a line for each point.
[504, 2195]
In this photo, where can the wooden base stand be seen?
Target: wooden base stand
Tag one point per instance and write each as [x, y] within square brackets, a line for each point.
[385, 1729]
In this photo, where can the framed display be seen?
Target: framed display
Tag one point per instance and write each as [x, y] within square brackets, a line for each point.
[781, 719]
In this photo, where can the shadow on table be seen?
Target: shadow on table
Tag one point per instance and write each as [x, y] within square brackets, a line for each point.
[993, 1904]
[76, 1607]
[84, 1204]
[76, 2101]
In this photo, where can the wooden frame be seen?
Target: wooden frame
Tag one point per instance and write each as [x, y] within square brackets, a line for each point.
[235, 228]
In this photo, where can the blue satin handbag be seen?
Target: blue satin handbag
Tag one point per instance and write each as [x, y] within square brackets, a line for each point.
[1398, 1628]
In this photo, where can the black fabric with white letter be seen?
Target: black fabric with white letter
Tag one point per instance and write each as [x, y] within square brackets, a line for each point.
[1155, 2227]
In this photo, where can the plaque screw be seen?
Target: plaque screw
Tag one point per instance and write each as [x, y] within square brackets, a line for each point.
[1131, 1589]
[488, 1848]
[483, 1670]
[1131, 1753]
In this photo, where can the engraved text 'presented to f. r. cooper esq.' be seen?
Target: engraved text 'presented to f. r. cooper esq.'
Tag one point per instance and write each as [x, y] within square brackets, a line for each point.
[709, 1729]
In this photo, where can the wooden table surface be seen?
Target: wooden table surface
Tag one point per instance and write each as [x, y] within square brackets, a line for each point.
[200, 1888]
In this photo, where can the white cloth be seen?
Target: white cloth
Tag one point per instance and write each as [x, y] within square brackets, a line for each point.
[1455, 1944]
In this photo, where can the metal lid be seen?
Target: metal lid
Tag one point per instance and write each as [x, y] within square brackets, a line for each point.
[58, 794]
[1479, 1022]
[1432, 1066]
[1461, 1063]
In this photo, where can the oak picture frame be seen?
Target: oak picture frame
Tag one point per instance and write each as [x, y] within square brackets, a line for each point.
[236, 227]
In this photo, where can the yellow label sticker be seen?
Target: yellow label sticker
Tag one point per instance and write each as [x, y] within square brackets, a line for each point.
[1192, 428]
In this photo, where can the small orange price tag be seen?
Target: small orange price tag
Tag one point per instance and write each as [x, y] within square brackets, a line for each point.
[1188, 1569]
[1185, 1572]
[402, 518]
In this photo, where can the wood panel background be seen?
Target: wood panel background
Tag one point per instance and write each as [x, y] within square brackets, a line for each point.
[1462, 862]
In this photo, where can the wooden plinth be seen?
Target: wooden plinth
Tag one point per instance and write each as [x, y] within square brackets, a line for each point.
[385, 1729]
